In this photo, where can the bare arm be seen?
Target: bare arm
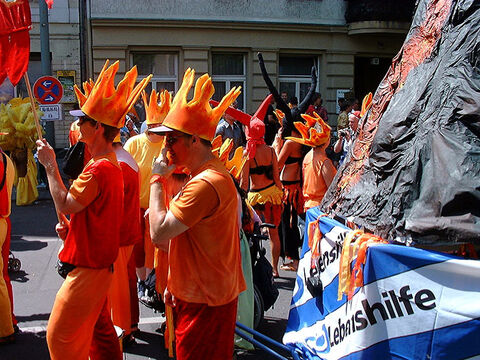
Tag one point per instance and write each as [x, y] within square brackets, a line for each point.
[284, 154]
[244, 179]
[163, 224]
[276, 173]
[64, 202]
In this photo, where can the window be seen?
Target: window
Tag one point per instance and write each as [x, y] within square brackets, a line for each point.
[228, 71]
[163, 66]
[295, 75]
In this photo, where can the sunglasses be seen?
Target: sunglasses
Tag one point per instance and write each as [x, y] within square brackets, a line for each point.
[84, 119]
[172, 139]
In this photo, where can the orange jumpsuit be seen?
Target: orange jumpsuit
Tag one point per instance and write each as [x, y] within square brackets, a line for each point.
[92, 246]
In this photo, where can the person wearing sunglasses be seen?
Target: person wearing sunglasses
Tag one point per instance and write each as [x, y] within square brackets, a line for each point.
[80, 324]
[200, 229]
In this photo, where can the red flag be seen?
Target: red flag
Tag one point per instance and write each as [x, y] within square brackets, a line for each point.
[15, 23]
[49, 3]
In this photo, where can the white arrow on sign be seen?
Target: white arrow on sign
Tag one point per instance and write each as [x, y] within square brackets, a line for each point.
[47, 83]
[49, 98]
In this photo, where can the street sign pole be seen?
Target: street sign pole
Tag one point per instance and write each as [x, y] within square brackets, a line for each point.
[46, 61]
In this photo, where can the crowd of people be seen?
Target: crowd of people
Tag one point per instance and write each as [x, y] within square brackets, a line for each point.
[191, 184]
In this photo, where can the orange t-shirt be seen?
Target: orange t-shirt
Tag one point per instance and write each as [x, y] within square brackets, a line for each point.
[93, 238]
[130, 229]
[314, 187]
[205, 260]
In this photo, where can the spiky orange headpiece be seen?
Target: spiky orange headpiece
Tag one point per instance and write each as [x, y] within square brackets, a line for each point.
[107, 104]
[222, 151]
[156, 113]
[197, 117]
[279, 114]
[314, 133]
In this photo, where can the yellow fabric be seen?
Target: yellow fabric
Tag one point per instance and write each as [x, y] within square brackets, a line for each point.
[143, 151]
[107, 104]
[27, 191]
[119, 294]
[76, 309]
[271, 194]
[6, 326]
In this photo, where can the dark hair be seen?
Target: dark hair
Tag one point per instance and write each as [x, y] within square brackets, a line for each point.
[315, 97]
[344, 106]
[294, 100]
[109, 132]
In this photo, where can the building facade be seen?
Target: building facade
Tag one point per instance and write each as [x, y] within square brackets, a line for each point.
[350, 42]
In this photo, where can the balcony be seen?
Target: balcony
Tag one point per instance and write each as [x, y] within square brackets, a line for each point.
[374, 16]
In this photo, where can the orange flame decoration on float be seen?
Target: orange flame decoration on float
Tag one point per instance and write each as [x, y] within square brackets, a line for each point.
[107, 104]
[197, 117]
[418, 48]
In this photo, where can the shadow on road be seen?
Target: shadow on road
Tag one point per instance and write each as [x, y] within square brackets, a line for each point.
[151, 346]
[28, 345]
[33, 317]
[19, 244]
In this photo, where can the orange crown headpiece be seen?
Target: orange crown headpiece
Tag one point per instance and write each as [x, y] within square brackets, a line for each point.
[222, 151]
[107, 104]
[197, 117]
[157, 113]
[314, 133]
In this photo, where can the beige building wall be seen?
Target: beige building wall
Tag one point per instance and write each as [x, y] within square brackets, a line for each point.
[195, 41]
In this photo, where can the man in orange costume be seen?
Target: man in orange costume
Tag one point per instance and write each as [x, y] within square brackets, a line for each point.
[95, 203]
[205, 275]
[144, 148]
[7, 174]
[130, 234]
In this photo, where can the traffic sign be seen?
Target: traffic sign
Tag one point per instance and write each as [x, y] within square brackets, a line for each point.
[52, 112]
[48, 90]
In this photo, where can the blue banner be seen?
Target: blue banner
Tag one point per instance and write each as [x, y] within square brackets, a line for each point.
[415, 304]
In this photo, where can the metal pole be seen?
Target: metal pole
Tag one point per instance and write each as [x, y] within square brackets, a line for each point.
[82, 27]
[46, 61]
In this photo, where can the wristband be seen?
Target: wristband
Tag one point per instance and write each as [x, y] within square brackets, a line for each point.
[157, 178]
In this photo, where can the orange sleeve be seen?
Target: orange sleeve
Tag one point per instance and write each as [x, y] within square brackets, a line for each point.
[84, 189]
[197, 201]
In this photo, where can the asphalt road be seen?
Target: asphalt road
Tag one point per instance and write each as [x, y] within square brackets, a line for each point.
[35, 243]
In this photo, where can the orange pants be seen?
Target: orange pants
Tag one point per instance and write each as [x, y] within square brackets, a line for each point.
[6, 326]
[144, 251]
[119, 294]
[79, 304]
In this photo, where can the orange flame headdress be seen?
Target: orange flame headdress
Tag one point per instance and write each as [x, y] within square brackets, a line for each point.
[107, 104]
[222, 151]
[197, 117]
[157, 113]
[279, 114]
[314, 133]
